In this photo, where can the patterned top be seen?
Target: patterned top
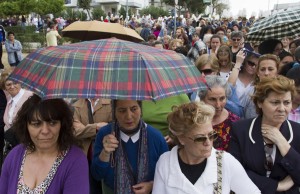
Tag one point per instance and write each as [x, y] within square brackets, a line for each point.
[294, 115]
[43, 187]
[221, 143]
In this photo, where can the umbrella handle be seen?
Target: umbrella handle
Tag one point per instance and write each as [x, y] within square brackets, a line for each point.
[112, 155]
[112, 160]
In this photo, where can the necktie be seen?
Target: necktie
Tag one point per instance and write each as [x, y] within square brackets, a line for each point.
[269, 161]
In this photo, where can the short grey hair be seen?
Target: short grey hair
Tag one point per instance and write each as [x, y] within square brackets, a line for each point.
[214, 81]
[238, 34]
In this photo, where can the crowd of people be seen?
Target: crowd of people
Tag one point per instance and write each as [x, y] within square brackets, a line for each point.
[239, 135]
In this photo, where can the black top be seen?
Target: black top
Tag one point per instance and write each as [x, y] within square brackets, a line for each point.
[2, 110]
[192, 172]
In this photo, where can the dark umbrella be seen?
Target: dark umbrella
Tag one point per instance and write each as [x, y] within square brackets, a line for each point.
[277, 26]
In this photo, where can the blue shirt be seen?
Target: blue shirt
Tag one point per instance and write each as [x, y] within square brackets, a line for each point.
[102, 170]
[2, 34]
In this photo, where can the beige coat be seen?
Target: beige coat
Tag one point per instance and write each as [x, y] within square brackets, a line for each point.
[87, 132]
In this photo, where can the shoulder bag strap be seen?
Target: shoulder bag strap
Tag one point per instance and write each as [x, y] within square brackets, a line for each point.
[218, 185]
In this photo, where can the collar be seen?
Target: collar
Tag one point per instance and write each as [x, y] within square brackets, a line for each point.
[208, 177]
[18, 96]
[134, 138]
[82, 103]
[289, 126]
[96, 101]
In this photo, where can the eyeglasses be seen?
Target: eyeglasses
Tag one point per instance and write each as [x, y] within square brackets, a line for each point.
[201, 139]
[250, 63]
[236, 39]
[207, 71]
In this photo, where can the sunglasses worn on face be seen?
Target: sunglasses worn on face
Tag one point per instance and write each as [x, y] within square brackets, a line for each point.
[236, 39]
[250, 63]
[207, 71]
[212, 136]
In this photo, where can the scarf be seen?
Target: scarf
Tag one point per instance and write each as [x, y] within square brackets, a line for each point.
[124, 177]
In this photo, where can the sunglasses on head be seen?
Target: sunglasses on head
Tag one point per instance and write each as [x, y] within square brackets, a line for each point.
[207, 71]
[200, 139]
[250, 63]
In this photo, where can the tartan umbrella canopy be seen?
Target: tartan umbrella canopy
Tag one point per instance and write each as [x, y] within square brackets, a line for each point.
[107, 68]
[93, 30]
[277, 26]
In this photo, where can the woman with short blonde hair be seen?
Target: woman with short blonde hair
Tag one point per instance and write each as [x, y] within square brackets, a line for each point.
[193, 166]
[207, 64]
[175, 43]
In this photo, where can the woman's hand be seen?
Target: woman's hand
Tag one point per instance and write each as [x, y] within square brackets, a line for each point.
[143, 188]
[110, 144]
[285, 184]
[275, 136]
[169, 140]
[101, 124]
[240, 56]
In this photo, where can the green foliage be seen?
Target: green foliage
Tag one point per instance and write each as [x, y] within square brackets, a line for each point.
[24, 7]
[154, 11]
[72, 14]
[122, 11]
[19, 30]
[85, 5]
[194, 6]
[44, 7]
[9, 8]
[219, 7]
[172, 2]
[81, 15]
[68, 13]
[97, 13]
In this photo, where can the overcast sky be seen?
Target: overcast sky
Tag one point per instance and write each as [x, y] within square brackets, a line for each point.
[255, 5]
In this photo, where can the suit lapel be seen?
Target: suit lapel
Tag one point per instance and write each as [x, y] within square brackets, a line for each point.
[256, 150]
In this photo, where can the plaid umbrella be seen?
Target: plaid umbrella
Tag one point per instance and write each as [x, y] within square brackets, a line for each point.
[93, 30]
[277, 26]
[107, 68]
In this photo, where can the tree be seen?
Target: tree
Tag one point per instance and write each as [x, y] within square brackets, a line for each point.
[194, 6]
[155, 12]
[23, 7]
[98, 12]
[85, 5]
[44, 7]
[122, 11]
[26, 6]
[9, 8]
[219, 7]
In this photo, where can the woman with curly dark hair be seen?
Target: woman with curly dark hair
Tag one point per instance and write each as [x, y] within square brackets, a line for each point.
[47, 159]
